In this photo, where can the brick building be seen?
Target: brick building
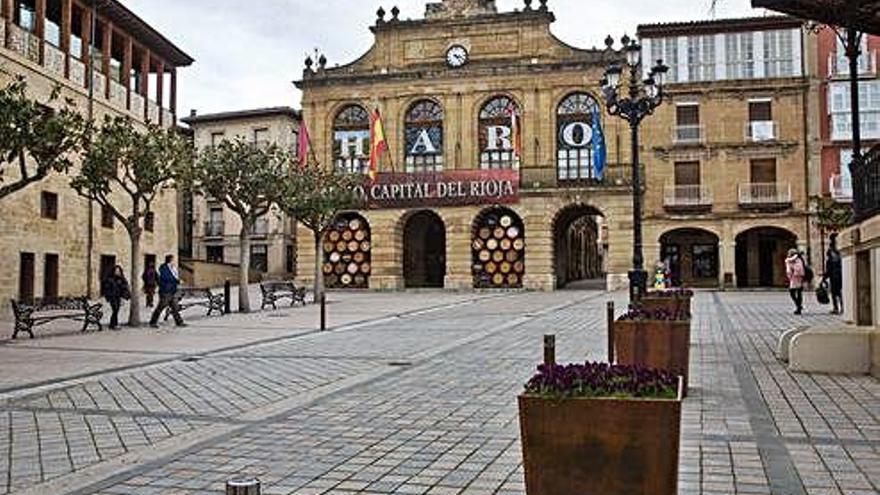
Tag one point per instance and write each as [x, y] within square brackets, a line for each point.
[55, 242]
[730, 153]
[216, 229]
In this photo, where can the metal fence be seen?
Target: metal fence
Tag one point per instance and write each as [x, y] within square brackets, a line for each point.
[866, 184]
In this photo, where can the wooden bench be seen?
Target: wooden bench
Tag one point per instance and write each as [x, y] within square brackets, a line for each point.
[275, 291]
[32, 314]
[188, 297]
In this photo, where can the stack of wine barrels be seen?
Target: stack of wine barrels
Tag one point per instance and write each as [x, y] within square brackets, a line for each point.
[347, 254]
[499, 251]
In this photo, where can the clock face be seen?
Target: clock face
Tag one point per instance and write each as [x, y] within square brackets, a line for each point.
[457, 56]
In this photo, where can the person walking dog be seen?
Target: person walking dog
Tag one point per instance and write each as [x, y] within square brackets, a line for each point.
[115, 288]
[795, 270]
[834, 275]
[169, 280]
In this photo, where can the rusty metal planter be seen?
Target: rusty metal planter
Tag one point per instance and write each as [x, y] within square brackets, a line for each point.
[600, 446]
[671, 304]
[654, 344]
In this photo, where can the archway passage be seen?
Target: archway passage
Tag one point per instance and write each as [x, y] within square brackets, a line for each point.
[691, 256]
[499, 249]
[578, 247]
[424, 251]
[347, 253]
[760, 257]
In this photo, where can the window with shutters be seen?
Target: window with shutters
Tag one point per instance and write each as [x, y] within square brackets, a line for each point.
[687, 173]
[701, 58]
[740, 55]
[687, 123]
[49, 205]
[761, 126]
[763, 171]
[574, 130]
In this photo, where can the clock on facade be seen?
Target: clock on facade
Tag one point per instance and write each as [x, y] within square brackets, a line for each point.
[457, 56]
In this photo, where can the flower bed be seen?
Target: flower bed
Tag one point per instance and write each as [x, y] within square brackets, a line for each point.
[598, 428]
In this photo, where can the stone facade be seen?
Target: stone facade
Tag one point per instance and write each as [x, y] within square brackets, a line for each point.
[77, 236]
[512, 55]
[216, 229]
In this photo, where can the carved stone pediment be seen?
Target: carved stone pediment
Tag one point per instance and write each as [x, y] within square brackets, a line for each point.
[449, 9]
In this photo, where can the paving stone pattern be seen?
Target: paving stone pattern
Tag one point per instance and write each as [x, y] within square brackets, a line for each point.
[443, 419]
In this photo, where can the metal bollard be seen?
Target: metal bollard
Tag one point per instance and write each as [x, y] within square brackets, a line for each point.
[227, 292]
[610, 319]
[323, 312]
[550, 350]
[243, 486]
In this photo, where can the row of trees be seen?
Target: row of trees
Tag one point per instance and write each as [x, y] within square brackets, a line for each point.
[124, 169]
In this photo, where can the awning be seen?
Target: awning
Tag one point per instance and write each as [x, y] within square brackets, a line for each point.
[863, 15]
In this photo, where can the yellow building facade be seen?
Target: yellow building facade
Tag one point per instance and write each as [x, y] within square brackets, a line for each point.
[56, 243]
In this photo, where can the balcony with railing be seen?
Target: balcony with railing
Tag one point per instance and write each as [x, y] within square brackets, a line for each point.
[841, 188]
[29, 46]
[215, 228]
[688, 134]
[765, 195]
[689, 198]
[762, 131]
[838, 66]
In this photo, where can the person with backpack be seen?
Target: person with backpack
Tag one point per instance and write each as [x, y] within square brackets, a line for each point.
[115, 288]
[796, 271]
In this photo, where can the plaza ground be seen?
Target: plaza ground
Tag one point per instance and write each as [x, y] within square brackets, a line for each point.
[409, 393]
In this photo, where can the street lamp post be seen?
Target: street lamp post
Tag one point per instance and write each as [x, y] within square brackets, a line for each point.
[636, 104]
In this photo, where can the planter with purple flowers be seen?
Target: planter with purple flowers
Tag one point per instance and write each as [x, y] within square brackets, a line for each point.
[674, 300]
[603, 429]
[654, 338]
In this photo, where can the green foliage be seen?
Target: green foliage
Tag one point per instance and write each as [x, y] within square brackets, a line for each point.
[834, 216]
[314, 195]
[249, 179]
[125, 168]
[35, 138]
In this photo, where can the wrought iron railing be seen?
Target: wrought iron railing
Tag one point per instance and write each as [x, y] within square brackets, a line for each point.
[866, 184]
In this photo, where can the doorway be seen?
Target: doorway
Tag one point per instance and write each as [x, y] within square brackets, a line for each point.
[26, 277]
[50, 277]
[760, 257]
[424, 251]
[578, 248]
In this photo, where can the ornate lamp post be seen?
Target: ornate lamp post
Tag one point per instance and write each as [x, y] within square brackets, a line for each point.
[633, 100]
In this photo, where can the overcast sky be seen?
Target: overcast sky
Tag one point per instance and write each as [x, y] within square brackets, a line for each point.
[247, 53]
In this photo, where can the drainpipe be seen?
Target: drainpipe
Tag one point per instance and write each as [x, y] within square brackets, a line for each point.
[90, 242]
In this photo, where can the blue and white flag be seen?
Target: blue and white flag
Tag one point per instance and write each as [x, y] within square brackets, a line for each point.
[599, 150]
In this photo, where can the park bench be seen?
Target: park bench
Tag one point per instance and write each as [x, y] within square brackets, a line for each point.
[32, 314]
[188, 297]
[275, 291]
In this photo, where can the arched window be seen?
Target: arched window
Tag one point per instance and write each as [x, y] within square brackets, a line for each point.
[351, 140]
[500, 134]
[424, 137]
[575, 132]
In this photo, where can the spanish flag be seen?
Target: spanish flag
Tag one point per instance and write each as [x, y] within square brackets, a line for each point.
[378, 143]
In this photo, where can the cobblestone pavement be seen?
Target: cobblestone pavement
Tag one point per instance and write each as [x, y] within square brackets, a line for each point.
[425, 404]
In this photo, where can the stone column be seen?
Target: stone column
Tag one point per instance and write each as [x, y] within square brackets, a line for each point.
[66, 23]
[727, 255]
[6, 9]
[173, 102]
[458, 248]
[538, 223]
[126, 70]
[160, 88]
[386, 236]
[107, 49]
[145, 81]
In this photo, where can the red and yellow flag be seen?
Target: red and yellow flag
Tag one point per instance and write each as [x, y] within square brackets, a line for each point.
[378, 143]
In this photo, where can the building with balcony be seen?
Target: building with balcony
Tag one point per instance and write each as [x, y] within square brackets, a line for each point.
[107, 62]
[216, 229]
[727, 154]
[836, 123]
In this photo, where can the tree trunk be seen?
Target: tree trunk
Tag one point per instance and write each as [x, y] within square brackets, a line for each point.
[244, 261]
[134, 307]
[319, 271]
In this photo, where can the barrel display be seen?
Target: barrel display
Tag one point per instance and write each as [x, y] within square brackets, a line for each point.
[498, 251]
[347, 261]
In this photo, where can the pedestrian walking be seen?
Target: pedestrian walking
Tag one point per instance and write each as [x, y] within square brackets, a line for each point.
[151, 283]
[834, 275]
[169, 280]
[795, 270]
[115, 288]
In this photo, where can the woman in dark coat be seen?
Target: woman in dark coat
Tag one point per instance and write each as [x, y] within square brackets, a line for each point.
[115, 288]
[834, 275]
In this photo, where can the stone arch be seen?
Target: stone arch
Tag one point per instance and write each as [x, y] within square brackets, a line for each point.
[690, 256]
[347, 253]
[578, 244]
[760, 255]
[498, 247]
